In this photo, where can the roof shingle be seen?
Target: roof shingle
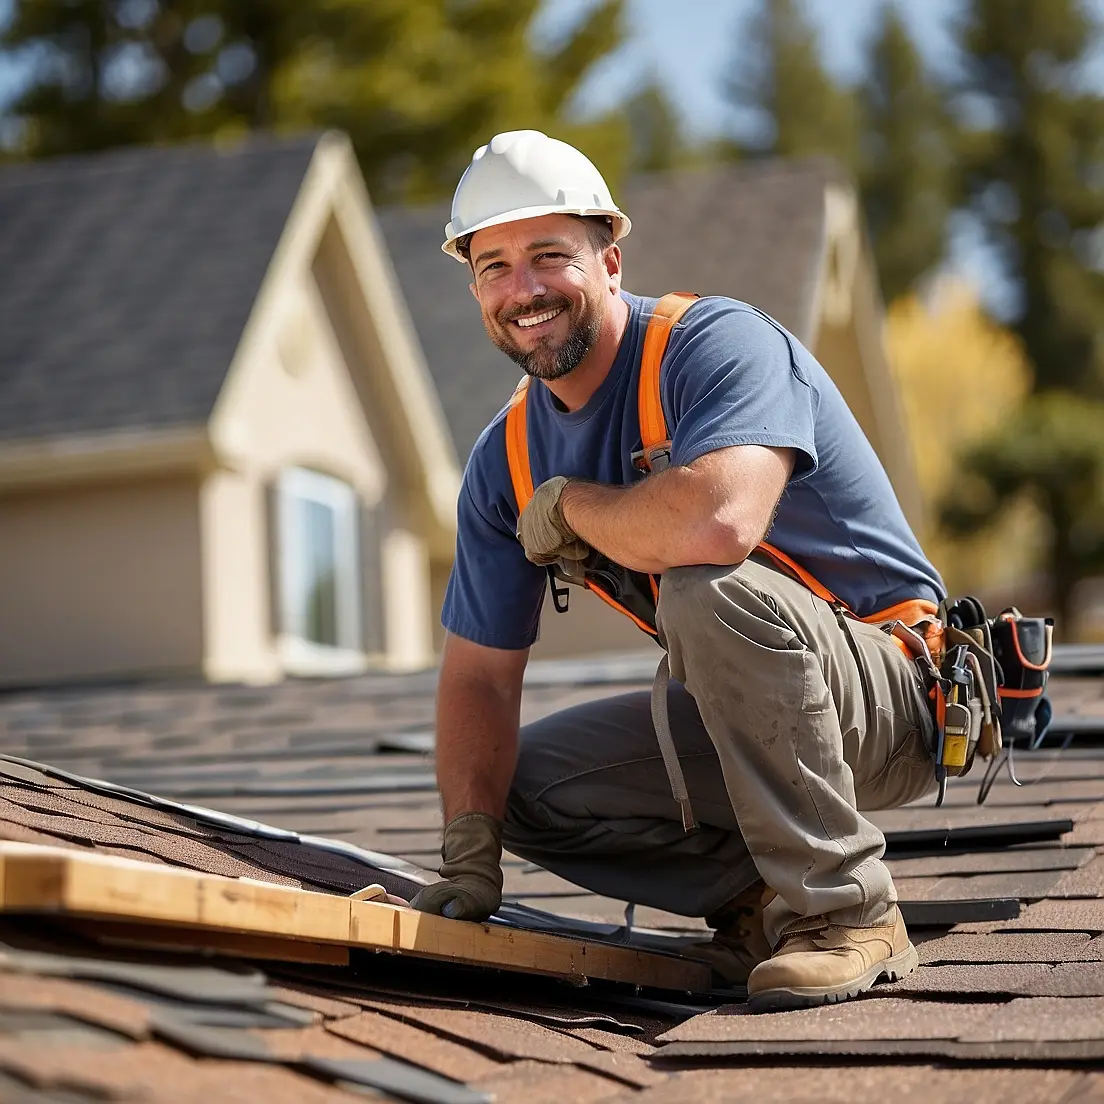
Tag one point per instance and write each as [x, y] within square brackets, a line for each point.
[126, 279]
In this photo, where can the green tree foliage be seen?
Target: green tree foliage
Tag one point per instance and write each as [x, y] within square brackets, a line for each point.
[1032, 171]
[417, 84]
[655, 130]
[778, 76]
[905, 171]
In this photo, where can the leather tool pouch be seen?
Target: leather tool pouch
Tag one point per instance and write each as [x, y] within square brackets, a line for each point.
[1014, 655]
[1022, 647]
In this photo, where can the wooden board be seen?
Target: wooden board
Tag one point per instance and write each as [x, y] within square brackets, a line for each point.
[272, 948]
[105, 888]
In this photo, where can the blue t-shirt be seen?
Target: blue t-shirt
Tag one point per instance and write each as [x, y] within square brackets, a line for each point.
[731, 376]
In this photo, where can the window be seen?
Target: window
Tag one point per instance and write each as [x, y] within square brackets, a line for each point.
[318, 566]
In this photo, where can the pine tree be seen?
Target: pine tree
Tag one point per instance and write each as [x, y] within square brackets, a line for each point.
[778, 75]
[906, 171]
[1032, 173]
[655, 130]
[418, 84]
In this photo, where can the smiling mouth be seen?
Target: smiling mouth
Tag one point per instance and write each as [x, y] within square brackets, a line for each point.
[532, 320]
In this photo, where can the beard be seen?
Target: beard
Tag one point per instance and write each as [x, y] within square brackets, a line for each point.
[546, 360]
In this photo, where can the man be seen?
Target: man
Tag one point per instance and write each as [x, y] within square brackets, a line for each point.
[787, 716]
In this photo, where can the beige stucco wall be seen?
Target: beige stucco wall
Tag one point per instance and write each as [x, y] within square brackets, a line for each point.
[837, 348]
[100, 581]
[290, 401]
[589, 627]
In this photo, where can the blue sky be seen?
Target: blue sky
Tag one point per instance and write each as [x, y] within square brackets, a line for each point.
[690, 53]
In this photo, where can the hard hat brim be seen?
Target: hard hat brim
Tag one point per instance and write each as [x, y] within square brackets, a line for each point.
[621, 224]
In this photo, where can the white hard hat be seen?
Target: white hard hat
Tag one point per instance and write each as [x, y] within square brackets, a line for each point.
[522, 174]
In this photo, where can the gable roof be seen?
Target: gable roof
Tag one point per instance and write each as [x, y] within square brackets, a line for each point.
[135, 283]
[127, 278]
[754, 231]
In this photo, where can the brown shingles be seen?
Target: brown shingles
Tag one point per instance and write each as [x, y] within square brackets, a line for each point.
[993, 979]
[884, 1019]
[629, 1068]
[1039, 1019]
[244, 1083]
[1067, 979]
[502, 1036]
[1071, 916]
[91, 1003]
[537, 1083]
[988, 862]
[153, 1071]
[20, 833]
[1088, 832]
[842, 1084]
[1010, 947]
[290, 1045]
[412, 1044]
[610, 1040]
[1086, 881]
[140, 843]
[327, 1006]
[1024, 885]
[242, 733]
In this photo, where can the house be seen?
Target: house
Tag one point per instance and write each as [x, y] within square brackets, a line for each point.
[220, 450]
[787, 236]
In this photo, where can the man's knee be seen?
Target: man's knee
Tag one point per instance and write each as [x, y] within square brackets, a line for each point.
[685, 594]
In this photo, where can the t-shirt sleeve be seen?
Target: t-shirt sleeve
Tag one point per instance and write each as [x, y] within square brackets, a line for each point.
[732, 376]
[494, 593]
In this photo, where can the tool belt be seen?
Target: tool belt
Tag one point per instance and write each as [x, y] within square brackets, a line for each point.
[986, 680]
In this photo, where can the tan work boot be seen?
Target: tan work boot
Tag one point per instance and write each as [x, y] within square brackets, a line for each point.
[820, 963]
[738, 944]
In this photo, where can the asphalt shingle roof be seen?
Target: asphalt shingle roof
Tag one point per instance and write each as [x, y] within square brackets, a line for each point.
[99, 1020]
[753, 231]
[126, 279]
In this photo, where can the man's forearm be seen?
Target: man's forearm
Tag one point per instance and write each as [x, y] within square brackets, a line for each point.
[477, 738]
[667, 520]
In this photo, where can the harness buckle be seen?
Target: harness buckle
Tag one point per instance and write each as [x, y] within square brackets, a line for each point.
[653, 458]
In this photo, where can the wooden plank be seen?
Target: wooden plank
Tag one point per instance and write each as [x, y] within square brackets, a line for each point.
[270, 947]
[100, 887]
[60, 880]
[430, 936]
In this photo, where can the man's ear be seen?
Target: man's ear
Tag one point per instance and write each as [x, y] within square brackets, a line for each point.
[475, 294]
[612, 260]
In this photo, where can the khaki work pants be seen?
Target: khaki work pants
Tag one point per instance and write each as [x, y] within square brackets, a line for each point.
[779, 749]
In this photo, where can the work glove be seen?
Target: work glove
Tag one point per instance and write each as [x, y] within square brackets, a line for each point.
[472, 853]
[543, 533]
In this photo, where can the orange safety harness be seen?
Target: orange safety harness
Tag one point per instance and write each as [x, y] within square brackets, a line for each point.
[633, 593]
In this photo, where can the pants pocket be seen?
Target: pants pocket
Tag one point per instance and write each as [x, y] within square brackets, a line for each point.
[906, 775]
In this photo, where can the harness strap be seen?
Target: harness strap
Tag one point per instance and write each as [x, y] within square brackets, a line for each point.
[653, 424]
[517, 446]
[661, 722]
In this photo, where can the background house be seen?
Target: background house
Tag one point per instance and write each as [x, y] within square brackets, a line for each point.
[785, 235]
[220, 451]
